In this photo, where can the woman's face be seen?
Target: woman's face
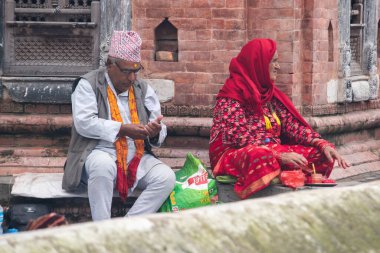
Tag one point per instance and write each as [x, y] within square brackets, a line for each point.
[274, 67]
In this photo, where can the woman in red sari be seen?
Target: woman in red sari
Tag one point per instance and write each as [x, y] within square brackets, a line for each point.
[257, 131]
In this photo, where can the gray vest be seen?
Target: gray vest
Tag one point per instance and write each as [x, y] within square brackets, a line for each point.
[80, 147]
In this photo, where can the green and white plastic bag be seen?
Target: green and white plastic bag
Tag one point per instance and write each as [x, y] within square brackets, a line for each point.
[194, 187]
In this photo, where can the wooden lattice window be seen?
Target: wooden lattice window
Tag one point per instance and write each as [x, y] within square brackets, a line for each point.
[51, 37]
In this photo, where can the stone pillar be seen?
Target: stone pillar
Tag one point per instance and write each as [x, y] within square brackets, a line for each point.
[1, 39]
[354, 87]
[1, 45]
[370, 46]
[345, 87]
[115, 15]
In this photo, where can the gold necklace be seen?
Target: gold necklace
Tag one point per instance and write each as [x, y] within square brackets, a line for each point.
[268, 125]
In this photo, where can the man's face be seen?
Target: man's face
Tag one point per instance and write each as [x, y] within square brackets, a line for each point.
[123, 74]
[274, 67]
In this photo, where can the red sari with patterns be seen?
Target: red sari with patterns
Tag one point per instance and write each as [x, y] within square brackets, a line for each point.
[241, 144]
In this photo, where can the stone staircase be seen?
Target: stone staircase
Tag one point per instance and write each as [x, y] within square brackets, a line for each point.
[41, 147]
[38, 143]
[25, 154]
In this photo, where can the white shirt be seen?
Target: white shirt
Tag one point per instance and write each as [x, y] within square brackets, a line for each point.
[88, 124]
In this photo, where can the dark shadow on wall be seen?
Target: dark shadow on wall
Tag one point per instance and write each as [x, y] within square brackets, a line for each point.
[1, 40]
[331, 42]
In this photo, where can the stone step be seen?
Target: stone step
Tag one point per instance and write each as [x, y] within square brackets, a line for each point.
[62, 141]
[355, 147]
[339, 173]
[18, 140]
[13, 164]
[360, 158]
[12, 170]
[33, 151]
[62, 152]
[33, 161]
[181, 152]
[186, 141]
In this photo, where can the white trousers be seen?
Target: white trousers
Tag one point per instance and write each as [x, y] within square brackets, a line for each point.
[156, 184]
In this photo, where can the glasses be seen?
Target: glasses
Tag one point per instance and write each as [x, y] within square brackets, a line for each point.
[129, 71]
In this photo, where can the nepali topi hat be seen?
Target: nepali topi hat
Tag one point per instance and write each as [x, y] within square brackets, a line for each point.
[125, 45]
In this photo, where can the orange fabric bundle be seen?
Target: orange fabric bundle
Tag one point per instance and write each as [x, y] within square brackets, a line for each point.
[292, 178]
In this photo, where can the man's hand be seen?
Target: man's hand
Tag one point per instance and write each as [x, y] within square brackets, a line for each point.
[331, 154]
[296, 160]
[154, 127]
[134, 131]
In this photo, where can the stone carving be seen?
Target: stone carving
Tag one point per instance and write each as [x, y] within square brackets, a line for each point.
[171, 111]
[373, 86]
[186, 111]
[346, 69]
[346, 64]
[348, 90]
[372, 59]
[104, 47]
[372, 70]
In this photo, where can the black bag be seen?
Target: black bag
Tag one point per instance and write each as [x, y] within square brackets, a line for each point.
[21, 214]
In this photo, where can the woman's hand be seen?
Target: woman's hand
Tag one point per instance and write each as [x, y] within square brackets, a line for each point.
[296, 160]
[331, 154]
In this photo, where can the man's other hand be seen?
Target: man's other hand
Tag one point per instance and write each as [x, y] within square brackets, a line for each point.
[154, 127]
[134, 131]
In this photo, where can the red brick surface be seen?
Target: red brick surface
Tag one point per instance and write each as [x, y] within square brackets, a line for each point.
[212, 32]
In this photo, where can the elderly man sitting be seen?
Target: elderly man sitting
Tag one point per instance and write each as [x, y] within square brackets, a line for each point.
[117, 118]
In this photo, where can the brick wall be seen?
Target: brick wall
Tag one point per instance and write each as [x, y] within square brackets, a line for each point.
[322, 13]
[301, 31]
[210, 33]
[280, 21]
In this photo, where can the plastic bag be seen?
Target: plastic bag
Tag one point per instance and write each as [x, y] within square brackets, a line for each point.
[194, 187]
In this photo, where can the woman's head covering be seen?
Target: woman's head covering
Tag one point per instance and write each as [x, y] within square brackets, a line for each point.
[249, 81]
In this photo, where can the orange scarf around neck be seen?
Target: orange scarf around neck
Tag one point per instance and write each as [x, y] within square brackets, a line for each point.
[126, 174]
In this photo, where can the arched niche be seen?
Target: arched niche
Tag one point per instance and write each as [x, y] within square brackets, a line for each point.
[166, 41]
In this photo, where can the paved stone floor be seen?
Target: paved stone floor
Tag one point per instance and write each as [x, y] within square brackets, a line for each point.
[77, 209]
[226, 193]
[362, 178]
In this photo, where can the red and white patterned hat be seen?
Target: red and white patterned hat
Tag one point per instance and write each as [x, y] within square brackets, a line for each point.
[125, 45]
